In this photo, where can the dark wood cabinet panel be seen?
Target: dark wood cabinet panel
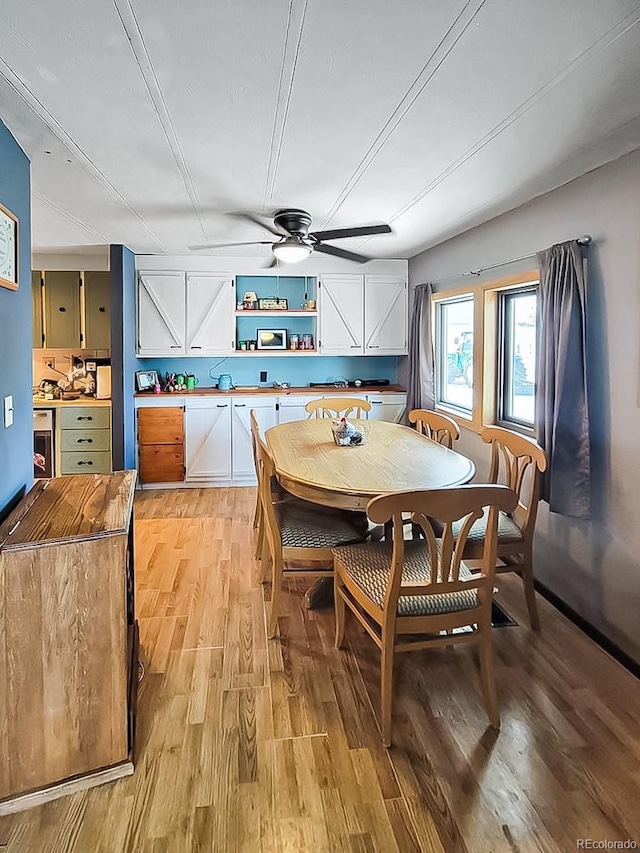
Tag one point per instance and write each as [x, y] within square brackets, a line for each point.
[160, 425]
[161, 463]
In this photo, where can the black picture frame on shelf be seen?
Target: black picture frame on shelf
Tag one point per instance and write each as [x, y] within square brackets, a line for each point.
[273, 303]
[146, 380]
[272, 338]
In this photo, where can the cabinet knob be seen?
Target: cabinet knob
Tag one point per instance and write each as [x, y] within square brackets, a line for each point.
[62, 309]
[87, 462]
[85, 441]
[84, 418]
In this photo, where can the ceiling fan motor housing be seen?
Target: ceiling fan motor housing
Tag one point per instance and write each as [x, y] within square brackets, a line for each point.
[293, 221]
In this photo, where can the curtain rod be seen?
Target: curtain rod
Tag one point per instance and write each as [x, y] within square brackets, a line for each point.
[581, 241]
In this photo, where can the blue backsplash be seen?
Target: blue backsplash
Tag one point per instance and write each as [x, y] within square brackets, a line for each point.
[298, 370]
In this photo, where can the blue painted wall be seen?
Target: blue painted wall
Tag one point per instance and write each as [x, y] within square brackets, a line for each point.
[123, 359]
[298, 370]
[16, 443]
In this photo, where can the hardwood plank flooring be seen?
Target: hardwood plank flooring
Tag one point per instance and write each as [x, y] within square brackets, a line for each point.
[250, 745]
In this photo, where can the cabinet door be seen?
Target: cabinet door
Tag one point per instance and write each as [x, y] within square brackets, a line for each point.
[293, 408]
[210, 314]
[160, 425]
[208, 440]
[62, 311]
[385, 315]
[265, 409]
[36, 302]
[161, 313]
[341, 314]
[97, 310]
[387, 407]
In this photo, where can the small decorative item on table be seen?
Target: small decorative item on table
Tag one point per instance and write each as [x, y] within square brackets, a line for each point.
[249, 300]
[346, 434]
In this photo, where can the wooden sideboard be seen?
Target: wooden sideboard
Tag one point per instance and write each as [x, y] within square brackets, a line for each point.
[68, 638]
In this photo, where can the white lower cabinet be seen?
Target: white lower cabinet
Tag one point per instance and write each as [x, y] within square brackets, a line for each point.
[242, 451]
[208, 439]
[293, 408]
[387, 407]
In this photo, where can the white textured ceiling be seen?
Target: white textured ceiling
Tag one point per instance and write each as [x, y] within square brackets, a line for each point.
[148, 120]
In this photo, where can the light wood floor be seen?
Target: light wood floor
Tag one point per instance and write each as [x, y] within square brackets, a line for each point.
[250, 745]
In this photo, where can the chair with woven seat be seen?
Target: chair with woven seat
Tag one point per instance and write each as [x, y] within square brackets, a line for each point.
[297, 531]
[518, 462]
[277, 491]
[338, 407]
[435, 426]
[411, 594]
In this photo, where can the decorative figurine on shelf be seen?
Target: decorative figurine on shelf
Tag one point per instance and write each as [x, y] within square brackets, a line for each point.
[249, 301]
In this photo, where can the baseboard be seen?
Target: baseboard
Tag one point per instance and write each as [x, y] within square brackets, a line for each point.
[590, 630]
[21, 802]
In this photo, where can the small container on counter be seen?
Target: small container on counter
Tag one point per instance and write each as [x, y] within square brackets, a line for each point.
[252, 344]
[294, 341]
[242, 345]
[307, 342]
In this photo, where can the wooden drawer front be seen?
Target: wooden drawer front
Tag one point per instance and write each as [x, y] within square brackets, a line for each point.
[160, 425]
[161, 463]
[85, 417]
[84, 439]
[91, 462]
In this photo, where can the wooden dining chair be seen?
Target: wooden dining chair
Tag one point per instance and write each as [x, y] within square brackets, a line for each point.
[435, 426]
[518, 462]
[411, 594]
[338, 407]
[297, 531]
[277, 492]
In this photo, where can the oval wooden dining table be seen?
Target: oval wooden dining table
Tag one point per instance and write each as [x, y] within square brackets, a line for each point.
[395, 458]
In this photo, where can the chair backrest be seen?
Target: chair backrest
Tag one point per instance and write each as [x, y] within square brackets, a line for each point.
[517, 462]
[265, 471]
[444, 506]
[338, 407]
[437, 427]
[255, 437]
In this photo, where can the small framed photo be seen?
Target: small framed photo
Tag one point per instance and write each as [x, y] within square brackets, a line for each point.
[272, 338]
[273, 303]
[146, 380]
[8, 249]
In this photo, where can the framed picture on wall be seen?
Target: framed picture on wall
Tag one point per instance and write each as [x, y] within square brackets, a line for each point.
[8, 249]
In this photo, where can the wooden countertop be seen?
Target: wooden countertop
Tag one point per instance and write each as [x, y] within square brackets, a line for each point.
[303, 390]
[41, 403]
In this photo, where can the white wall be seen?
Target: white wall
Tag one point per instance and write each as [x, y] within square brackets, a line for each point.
[594, 567]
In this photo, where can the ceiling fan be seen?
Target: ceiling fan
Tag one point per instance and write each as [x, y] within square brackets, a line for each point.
[296, 242]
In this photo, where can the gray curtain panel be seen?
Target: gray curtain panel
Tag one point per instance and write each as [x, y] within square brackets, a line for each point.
[562, 418]
[421, 390]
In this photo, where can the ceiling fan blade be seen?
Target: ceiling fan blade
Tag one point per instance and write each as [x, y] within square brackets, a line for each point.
[224, 245]
[341, 253]
[362, 231]
[251, 217]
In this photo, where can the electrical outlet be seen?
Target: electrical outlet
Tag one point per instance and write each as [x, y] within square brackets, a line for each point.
[263, 376]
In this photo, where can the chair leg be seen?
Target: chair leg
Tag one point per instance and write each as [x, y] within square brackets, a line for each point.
[386, 685]
[526, 573]
[276, 587]
[487, 676]
[259, 540]
[339, 610]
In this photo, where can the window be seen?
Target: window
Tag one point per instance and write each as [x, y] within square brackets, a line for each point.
[454, 341]
[517, 356]
[485, 352]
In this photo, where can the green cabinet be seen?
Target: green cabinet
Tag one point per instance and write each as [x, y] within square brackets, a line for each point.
[36, 293]
[97, 310]
[71, 310]
[62, 310]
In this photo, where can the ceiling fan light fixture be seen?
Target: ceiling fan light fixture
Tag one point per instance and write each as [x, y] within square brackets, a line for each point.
[291, 250]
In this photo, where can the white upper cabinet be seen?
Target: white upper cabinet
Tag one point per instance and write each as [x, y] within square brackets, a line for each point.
[385, 315]
[210, 314]
[161, 313]
[341, 314]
